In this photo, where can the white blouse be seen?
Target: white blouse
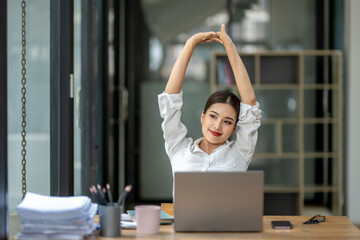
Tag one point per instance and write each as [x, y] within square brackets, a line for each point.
[186, 155]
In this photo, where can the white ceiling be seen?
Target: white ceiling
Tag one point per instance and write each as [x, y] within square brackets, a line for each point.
[168, 18]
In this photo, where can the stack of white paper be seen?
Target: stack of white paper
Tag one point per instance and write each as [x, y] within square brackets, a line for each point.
[56, 217]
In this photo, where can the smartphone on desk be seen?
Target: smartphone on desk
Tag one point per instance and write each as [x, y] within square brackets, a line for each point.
[281, 224]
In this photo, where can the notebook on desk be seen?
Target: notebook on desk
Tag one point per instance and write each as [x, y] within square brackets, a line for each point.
[218, 201]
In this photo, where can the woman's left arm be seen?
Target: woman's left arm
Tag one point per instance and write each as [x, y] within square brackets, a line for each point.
[242, 79]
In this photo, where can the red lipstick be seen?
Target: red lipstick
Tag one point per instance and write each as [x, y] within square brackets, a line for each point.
[216, 134]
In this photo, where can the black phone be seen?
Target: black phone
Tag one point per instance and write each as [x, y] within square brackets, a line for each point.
[281, 224]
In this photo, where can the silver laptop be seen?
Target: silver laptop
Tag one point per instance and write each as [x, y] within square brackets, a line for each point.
[219, 201]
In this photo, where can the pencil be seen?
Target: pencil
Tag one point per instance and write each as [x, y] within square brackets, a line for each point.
[101, 194]
[124, 194]
[93, 195]
[100, 200]
[94, 192]
[109, 193]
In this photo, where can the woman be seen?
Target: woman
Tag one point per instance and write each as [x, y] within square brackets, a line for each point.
[223, 114]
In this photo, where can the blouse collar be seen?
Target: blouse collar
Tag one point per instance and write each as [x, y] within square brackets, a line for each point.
[196, 148]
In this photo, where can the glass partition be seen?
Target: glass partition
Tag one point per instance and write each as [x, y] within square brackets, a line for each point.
[37, 99]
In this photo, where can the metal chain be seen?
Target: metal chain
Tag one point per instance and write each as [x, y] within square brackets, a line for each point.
[23, 98]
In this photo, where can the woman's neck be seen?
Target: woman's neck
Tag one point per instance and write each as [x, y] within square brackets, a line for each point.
[208, 147]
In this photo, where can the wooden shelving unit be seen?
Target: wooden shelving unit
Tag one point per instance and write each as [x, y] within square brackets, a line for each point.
[300, 140]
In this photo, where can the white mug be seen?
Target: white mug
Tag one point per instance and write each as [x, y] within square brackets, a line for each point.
[147, 219]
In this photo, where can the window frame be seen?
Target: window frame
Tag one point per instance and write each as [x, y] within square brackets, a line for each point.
[4, 228]
[61, 98]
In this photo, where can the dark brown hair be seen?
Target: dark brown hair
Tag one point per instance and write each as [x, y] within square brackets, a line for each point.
[224, 96]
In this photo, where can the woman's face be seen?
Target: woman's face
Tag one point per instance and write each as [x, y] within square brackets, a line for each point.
[218, 123]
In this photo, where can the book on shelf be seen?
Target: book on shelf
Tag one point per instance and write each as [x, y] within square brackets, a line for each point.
[224, 74]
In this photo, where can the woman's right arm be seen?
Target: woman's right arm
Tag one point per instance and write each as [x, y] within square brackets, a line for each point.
[170, 102]
[177, 75]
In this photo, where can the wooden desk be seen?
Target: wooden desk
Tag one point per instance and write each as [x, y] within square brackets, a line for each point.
[335, 227]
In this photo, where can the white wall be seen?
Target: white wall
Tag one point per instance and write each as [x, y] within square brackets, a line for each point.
[352, 53]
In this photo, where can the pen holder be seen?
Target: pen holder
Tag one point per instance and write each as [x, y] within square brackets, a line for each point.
[110, 219]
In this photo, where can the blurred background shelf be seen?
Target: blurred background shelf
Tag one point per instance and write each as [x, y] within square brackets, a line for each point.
[300, 141]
